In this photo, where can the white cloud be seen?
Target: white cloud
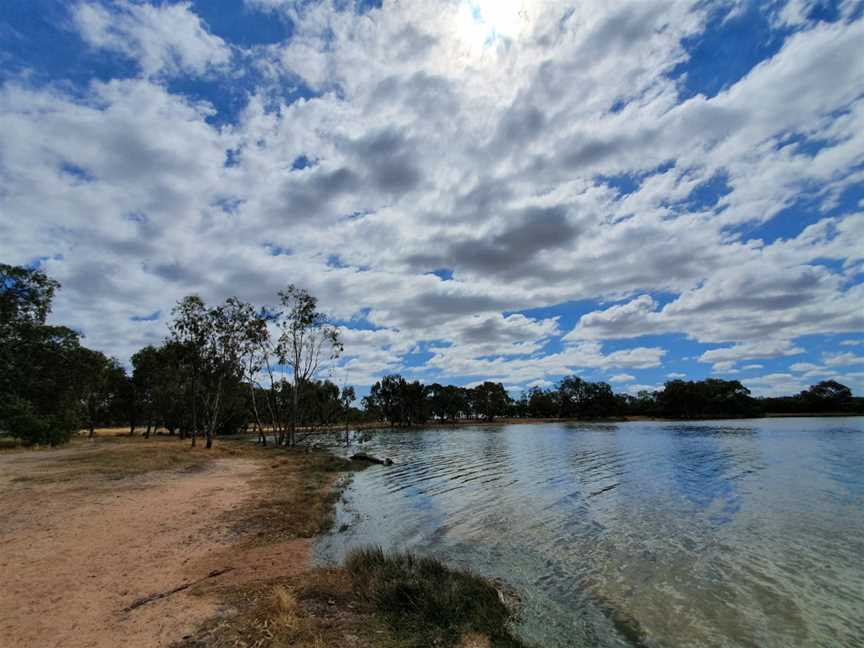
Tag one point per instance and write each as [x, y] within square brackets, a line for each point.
[434, 151]
[842, 359]
[618, 378]
[728, 356]
[633, 390]
[775, 384]
[800, 367]
[165, 39]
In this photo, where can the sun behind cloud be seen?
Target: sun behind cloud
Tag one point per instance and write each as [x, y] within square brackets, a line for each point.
[482, 22]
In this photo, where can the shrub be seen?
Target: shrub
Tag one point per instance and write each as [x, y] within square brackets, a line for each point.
[425, 602]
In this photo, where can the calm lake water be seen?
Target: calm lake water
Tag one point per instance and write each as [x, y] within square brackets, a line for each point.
[732, 533]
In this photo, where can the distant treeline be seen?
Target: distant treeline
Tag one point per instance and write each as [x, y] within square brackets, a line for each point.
[231, 368]
[401, 403]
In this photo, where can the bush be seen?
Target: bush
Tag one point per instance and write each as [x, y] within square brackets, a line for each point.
[425, 602]
[19, 419]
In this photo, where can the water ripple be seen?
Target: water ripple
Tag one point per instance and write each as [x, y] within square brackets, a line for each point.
[710, 534]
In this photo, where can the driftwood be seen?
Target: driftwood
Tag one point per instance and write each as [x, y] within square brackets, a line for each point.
[362, 456]
[160, 595]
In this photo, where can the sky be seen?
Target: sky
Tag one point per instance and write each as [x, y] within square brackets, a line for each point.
[513, 190]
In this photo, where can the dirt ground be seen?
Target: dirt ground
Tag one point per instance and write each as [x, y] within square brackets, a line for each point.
[78, 548]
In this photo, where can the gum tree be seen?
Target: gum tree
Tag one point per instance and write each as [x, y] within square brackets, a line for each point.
[306, 342]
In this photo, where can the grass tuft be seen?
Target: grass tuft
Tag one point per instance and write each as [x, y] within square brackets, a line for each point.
[285, 608]
[425, 603]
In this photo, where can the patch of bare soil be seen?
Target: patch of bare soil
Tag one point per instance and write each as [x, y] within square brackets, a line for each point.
[91, 561]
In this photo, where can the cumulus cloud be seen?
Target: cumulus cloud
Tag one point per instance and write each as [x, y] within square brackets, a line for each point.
[441, 178]
[166, 39]
[842, 359]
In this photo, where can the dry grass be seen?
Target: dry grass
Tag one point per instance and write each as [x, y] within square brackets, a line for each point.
[121, 458]
[109, 432]
[314, 610]
[474, 640]
[296, 494]
[377, 601]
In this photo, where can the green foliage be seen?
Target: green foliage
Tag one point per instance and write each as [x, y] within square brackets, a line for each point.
[580, 398]
[212, 346]
[447, 402]
[489, 400]
[21, 420]
[705, 399]
[101, 383]
[397, 401]
[542, 403]
[826, 397]
[426, 603]
[25, 297]
[41, 366]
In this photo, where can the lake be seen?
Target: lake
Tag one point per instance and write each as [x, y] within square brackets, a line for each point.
[710, 533]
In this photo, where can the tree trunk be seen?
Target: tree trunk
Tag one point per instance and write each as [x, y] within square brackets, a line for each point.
[261, 435]
[210, 432]
[194, 410]
[295, 394]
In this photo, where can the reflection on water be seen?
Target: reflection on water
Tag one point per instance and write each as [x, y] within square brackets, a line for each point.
[748, 533]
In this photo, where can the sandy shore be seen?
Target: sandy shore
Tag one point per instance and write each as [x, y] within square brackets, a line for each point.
[76, 552]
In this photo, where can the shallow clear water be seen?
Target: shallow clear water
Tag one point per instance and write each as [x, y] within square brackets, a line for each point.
[732, 533]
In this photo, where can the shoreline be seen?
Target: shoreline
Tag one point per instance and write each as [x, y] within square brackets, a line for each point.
[348, 604]
[176, 547]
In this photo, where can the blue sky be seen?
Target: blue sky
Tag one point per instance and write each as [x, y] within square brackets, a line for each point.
[511, 189]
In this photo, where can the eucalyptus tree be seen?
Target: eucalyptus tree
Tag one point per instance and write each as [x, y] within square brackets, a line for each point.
[490, 399]
[705, 398]
[255, 351]
[826, 396]
[145, 381]
[305, 343]
[386, 399]
[190, 329]
[543, 403]
[573, 394]
[446, 402]
[218, 342]
[100, 381]
[162, 384]
[234, 330]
